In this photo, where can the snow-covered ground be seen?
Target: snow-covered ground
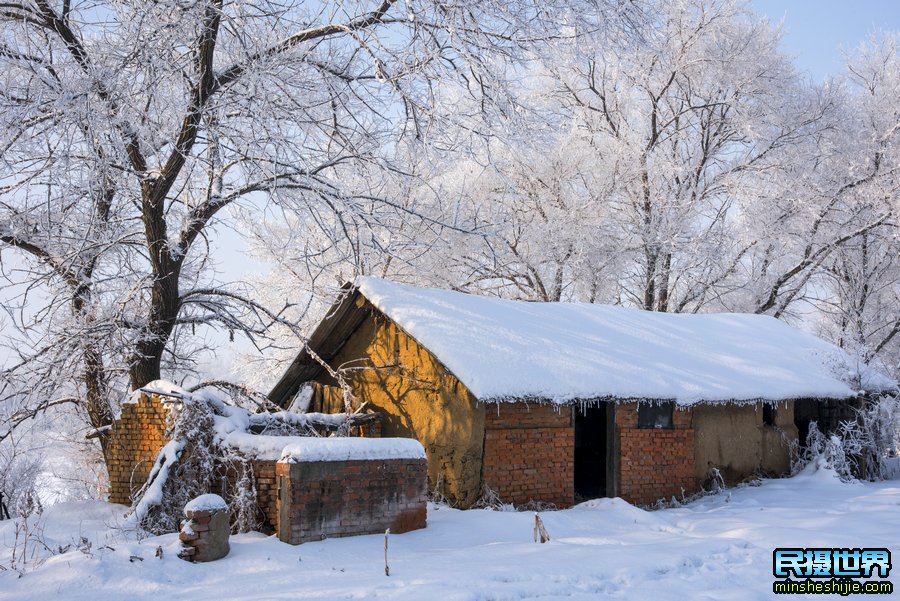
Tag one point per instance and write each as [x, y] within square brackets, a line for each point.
[717, 548]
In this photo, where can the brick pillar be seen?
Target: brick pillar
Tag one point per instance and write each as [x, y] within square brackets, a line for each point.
[134, 441]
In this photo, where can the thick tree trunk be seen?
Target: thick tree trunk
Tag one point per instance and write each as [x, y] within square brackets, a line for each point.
[164, 298]
[146, 364]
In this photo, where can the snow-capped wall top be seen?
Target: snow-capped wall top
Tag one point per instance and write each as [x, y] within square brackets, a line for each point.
[163, 388]
[503, 350]
[346, 449]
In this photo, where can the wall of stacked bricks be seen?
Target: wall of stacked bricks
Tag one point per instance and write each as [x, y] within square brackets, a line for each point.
[654, 463]
[134, 441]
[326, 499]
[267, 482]
[529, 453]
[266, 494]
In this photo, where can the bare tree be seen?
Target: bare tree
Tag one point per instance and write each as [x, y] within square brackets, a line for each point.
[693, 164]
[545, 234]
[684, 116]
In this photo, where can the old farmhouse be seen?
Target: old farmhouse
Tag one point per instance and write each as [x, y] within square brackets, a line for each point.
[558, 402]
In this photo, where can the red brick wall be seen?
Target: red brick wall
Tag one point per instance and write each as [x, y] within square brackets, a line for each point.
[323, 499]
[529, 453]
[654, 463]
[266, 494]
[135, 439]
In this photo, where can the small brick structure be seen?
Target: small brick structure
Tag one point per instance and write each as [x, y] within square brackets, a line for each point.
[367, 486]
[528, 453]
[380, 484]
[654, 463]
[204, 532]
[134, 440]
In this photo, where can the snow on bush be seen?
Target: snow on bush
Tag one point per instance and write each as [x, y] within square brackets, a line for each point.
[185, 468]
[212, 443]
[866, 447]
[18, 476]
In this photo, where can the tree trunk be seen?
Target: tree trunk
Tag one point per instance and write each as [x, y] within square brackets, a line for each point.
[164, 297]
[662, 303]
[147, 360]
[97, 402]
[94, 376]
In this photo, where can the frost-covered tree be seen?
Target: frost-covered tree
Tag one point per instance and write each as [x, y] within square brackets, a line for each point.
[133, 131]
[687, 168]
[860, 291]
[535, 198]
[682, 117]
[821, 225]
[625, 191]
[309, 260]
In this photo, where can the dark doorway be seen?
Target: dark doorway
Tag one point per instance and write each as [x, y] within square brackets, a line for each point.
[805, 411]
[826, 413]
[590, 452]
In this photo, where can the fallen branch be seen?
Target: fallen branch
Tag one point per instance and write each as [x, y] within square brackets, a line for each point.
[259, 399]
[259, 422]
[151, 494]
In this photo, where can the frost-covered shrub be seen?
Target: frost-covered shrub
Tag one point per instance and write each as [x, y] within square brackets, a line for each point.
[185, 469]
[242, 500]
[18, 478]
[715, 482]
[490, 499]
[825, 451]
[438, 496]
[207, 437]
[866, 447]
[873, 439]
[25, 549]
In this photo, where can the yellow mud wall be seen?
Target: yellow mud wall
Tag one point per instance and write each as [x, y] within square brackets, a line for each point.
[775, 455]
[417, 398]
[734, 439]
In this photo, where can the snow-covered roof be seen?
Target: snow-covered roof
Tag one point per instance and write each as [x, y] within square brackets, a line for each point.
[506, 350]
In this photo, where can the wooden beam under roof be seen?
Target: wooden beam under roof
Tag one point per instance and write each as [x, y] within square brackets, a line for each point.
[326, 341]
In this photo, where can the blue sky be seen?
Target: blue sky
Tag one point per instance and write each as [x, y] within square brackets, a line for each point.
[815, 30]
